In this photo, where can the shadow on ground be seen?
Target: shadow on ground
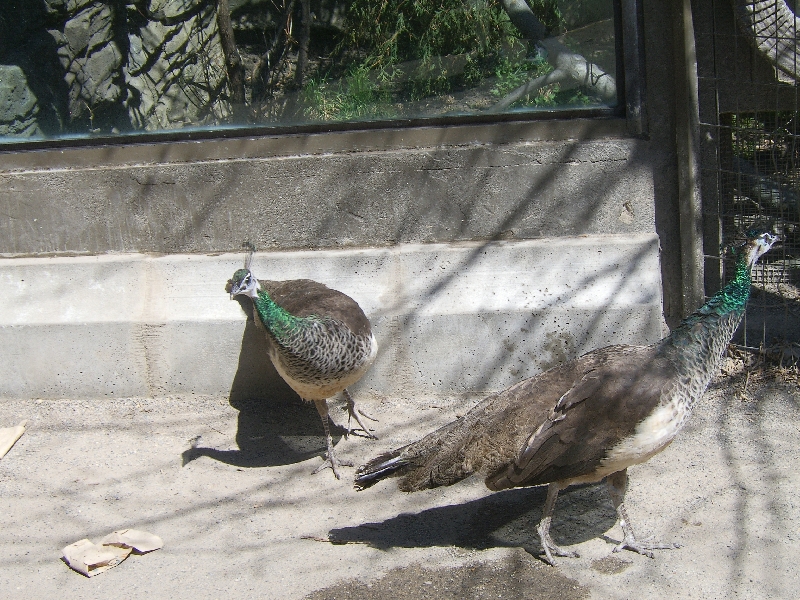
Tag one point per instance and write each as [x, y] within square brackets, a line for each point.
[504, 519]
[275, 426]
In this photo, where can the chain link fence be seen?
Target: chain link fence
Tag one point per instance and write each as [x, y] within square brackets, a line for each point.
[750, 163]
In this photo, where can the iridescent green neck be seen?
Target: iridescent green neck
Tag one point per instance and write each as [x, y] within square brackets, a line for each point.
[276, 319]
[698, 344]
[730, 299]
[733, 297]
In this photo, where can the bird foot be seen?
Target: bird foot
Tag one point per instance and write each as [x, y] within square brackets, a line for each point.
[334, 465]
[550, 548]
[644, 547]
[371, 418]
[353, 412]
[361, 426]
[363, 414]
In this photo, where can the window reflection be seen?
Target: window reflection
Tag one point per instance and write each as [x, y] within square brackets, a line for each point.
[77, 68]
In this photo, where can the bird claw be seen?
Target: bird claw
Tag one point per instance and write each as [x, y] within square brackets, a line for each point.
[363, 414]
[361, 427]
[644, 547]
[352, 413]
[635, 548]
[550, 548]
[333, 465]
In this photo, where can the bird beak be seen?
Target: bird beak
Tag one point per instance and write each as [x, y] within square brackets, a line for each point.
[773, 239]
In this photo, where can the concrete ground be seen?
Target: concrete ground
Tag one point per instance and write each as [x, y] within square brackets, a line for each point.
[242, 517]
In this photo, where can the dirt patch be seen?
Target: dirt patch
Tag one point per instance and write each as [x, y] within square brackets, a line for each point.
[520, 577]
[610, 565]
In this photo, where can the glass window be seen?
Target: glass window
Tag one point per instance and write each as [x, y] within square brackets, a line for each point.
[83, 68]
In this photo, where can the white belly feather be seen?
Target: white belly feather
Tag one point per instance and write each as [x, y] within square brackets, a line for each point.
[651, 436]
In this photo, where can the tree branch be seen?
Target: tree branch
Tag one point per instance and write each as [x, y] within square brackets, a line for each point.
[569, 69]
[233, 62]
[533, 86]
[523, 19]
[271, 58]
[772, 27]
[305, 37]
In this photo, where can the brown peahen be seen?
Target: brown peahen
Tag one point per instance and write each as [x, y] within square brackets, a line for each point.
[585, 420]
[319, 340]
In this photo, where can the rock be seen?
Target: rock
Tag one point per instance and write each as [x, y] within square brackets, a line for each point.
[88, 67]
[18, 104]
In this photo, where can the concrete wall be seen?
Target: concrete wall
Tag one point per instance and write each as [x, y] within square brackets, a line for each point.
[450, 319]
[331, 191]
[483, 253]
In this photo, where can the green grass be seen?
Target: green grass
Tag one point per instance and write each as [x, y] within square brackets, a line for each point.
[356, 96]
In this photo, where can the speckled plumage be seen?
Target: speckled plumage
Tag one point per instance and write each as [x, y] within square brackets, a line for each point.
[318, 339]
[319, 353]
[587, 419]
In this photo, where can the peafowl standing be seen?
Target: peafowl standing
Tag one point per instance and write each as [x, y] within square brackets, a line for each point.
[585, 420]
[319, 340]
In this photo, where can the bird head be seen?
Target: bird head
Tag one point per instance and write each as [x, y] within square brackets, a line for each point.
[758, 243]
[243, 282]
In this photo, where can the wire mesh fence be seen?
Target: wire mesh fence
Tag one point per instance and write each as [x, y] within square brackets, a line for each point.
[750, 167]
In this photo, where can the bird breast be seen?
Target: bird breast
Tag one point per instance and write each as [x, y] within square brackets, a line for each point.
[650, 437]
[327, 367]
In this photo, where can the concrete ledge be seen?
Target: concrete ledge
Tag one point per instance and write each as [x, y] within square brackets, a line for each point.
[518, 190]
[450, 318]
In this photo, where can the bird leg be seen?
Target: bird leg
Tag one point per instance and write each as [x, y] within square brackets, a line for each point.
[617, 484]
[331, 460]
[548, 545]
[353, 412]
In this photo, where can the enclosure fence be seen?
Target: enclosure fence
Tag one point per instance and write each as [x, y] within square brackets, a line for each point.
[750, 158]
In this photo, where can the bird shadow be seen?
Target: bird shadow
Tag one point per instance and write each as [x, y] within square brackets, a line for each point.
[503, 519]
[275, 426]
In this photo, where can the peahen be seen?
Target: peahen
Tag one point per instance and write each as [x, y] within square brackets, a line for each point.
[587, 419]
[319, 340]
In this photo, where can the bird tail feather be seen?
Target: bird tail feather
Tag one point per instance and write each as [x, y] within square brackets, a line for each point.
[436, 459]
[386, 465]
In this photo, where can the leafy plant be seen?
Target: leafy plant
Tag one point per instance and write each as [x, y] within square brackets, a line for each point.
[395, 51]
[356, 96]
[511, 74]
[555, 96]
[392, 31]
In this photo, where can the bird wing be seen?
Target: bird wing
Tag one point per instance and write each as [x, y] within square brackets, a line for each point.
[304, 297]
[484, 440]
[613, 390]
[490, 437]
